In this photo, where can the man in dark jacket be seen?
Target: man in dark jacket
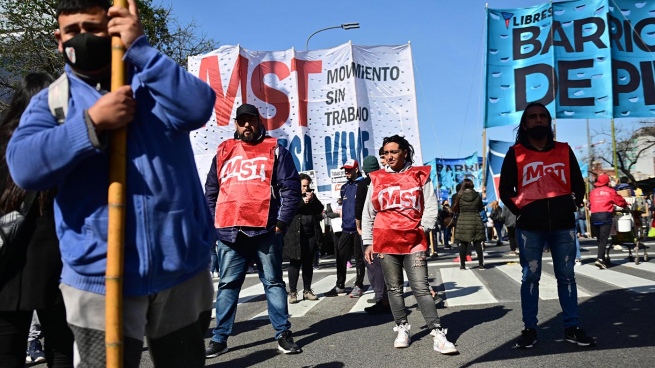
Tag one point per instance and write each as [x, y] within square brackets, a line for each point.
[375, 276]
[541, 183]
[349, 243]
[253, 190]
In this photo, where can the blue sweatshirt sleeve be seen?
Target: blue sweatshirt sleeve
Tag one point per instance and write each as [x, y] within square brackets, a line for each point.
[211, 188]
[288, 182]
[41, 152]
[186, 100]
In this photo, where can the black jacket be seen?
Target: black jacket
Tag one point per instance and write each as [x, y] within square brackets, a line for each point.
[555, 213]
[29, 279]
[305, 225]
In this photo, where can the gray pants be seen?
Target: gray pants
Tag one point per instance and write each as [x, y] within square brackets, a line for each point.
[416, 267]
[174, 321]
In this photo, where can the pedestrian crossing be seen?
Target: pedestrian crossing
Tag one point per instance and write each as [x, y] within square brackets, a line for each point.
[458, 288]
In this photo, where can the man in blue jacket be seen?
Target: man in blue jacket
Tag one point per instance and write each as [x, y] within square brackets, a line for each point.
[253, 190]
[350, 243]
[167, 287]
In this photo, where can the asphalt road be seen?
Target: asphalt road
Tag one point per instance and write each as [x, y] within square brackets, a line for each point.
[481, 310]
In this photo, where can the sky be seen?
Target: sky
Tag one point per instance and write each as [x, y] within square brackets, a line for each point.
[448, 47]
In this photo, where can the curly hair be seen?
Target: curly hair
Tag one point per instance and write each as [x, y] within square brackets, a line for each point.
[403, 144]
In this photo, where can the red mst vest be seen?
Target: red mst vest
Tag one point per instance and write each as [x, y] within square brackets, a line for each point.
[542, 174]
[399, 202]
[244, 173]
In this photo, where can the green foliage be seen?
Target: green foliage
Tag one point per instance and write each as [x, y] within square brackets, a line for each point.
[27, 41]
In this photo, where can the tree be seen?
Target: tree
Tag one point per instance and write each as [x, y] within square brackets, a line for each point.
[631, 145]
[27, 40]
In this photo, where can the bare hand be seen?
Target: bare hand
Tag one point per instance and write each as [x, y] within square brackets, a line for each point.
[113, 110]
[125, 23]
[368, 254]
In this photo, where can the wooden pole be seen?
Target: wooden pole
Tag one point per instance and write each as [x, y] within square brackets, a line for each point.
[116, 232]
[614, 155]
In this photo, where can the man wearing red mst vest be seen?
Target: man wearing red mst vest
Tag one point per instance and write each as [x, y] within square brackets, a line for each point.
[253, 190]
[541, 183]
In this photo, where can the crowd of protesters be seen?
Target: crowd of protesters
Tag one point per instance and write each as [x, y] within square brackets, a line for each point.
[178, 237]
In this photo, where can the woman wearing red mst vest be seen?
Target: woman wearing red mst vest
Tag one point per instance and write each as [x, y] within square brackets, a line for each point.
[400, 208]
[541, 183]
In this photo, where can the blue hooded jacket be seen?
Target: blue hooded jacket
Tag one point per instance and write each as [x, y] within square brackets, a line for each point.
[168, 228]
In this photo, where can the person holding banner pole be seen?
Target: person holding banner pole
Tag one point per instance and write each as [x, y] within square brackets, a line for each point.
[541, 183]
[167, 289]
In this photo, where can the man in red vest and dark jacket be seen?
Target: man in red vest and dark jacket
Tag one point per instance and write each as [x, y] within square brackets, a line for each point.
[253, 190]
[541, 183]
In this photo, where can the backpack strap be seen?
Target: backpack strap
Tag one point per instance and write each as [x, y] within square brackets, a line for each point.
[58, 93]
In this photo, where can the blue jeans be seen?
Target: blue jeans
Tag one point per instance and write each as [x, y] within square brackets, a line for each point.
[562, 249]
[266, 250]
[214, 257]
[446, 235]
[582, 226]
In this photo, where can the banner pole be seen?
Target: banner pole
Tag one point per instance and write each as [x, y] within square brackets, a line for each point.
[116, 226]
[614, 155]
[484, 157]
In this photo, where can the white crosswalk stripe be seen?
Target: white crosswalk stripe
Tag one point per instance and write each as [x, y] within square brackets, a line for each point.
[463, 287]
[301, 308]
[547, 283]
[618, 279]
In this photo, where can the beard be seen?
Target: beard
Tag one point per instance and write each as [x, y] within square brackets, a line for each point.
[247, 138]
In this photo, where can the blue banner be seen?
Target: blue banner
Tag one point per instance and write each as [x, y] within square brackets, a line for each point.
[495, 157]
[580, 58]
[632, 36]
[446, 173]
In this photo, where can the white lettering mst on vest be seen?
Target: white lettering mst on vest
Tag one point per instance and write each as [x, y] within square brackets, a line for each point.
[535, 170]
[393, 197]
[243, 169]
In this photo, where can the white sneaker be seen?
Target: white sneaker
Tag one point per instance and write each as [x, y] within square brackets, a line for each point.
[403, 338]
[441, 343]
[578, 262]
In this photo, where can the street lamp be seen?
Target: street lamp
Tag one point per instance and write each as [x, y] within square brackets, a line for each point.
[345, 26]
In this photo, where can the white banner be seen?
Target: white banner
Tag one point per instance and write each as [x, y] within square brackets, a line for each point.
[325, 106]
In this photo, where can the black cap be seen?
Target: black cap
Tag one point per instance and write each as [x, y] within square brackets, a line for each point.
[247, 109]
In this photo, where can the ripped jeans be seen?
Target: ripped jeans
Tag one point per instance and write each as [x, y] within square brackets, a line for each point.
[416, 267]
[562, 249]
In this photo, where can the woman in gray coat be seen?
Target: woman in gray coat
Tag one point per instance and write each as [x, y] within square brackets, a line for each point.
[469, 228]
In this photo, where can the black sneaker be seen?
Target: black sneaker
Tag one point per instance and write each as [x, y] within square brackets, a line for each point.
[34, 352]
[576, 335]
[600, 264]
[528, 339]
[215, 349]
[378, 308]
[286, 345]
[335, 291]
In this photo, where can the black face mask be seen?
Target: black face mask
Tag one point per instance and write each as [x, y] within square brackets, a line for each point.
[538, 132]
[87, 52]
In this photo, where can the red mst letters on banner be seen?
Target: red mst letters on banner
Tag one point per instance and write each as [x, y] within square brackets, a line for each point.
[210, 72]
